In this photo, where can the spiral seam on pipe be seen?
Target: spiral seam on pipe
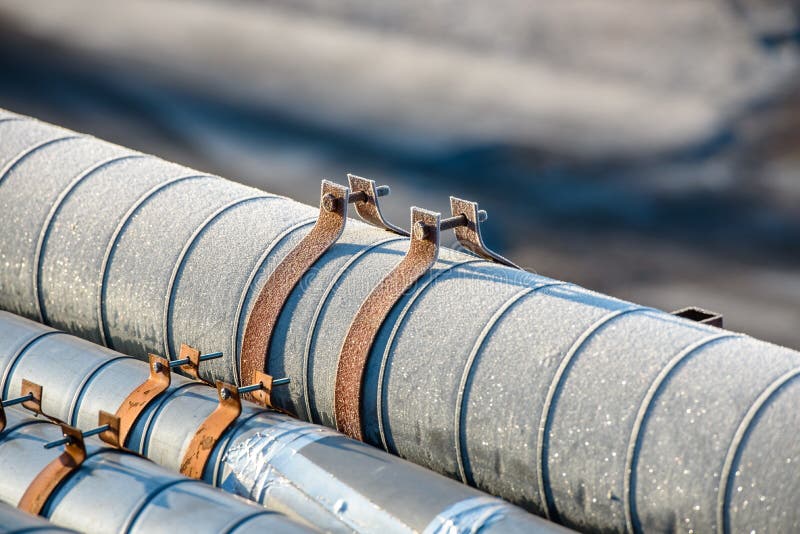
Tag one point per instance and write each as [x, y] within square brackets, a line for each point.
[248, 287]
[392, 336]
[162, 400]
[12, 363]
[54, 209]
[79, 392]
[10, 119]
[488, 328]
[734, 450]
[130, 522]
[16, 160]
[165, 323]
[238, 523]
[105, 339]
[318, 311]
[547, 411]
[631, 457]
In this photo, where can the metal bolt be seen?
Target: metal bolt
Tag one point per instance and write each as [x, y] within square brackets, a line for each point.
[453, 222]
[157, 367]
[260, 385]
[330, 202]
[65, 439]
[18, 400]
[203, 358]
[225, 394]
[420, 230]
[362, 196]
[482, 215]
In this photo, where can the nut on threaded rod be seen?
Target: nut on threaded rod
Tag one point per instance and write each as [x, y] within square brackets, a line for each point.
[421, 230]
[225, 393]
[330, 202]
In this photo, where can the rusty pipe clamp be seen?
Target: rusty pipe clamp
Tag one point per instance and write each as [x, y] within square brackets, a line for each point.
[263, 318]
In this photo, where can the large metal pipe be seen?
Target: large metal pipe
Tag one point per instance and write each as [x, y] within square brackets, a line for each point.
[310, 473]
[14, 521]
[593, 411]
[113, 491]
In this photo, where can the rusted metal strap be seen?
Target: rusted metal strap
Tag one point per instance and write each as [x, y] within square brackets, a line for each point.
[365, 193]
[469, 234]
[55, 473]
[700, 315]
[208, 435]
[137, 401]
[267, 308]
[30, 397]
[422, 253]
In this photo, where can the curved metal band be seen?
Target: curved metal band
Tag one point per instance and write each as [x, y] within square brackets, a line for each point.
[318, 311]
[422, 253]
[734, 451]
[55, 473]
[210, 431]
[184, 253]
[276, 291]
[139, 399]
[249, 286]
[635, 442]
[553, 391]
[390, 342]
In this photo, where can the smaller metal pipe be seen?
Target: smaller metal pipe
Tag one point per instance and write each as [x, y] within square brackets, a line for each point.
[18, 400]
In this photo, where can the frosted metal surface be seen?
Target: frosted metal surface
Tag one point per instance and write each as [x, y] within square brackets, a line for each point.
[570, 403]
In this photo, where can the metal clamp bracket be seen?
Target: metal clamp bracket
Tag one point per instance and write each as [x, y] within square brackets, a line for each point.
[209, 433]
[273, 296]
[422, 253]
[189, 360]
[55, 473]
[699, 315]
[30, 396]
[469, 234]
[136, 402]
[364, 194]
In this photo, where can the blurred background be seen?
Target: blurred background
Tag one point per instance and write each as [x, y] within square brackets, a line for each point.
[646, 149]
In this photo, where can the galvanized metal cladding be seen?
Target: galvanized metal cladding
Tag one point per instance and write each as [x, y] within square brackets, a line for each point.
[591, 411]
[309, 473]
[137, 495]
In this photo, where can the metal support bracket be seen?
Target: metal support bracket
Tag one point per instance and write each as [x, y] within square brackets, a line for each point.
[30, 397]
[422, 254]
[55, 473]
[208, 435]
[137, 401]
[365, 193]
[264, 317]
[699, 315]
[469, 235]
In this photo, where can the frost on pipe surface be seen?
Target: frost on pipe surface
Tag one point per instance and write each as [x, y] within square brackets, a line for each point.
[113, 492]
[557, 398]
[310, 473]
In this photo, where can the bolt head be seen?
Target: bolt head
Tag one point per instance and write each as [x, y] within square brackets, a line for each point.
[420, 230]
[329, 202]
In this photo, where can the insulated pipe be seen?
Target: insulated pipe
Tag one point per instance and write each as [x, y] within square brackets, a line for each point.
[113, 491]
[595, 412]
[14, 521]
[310, 473]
